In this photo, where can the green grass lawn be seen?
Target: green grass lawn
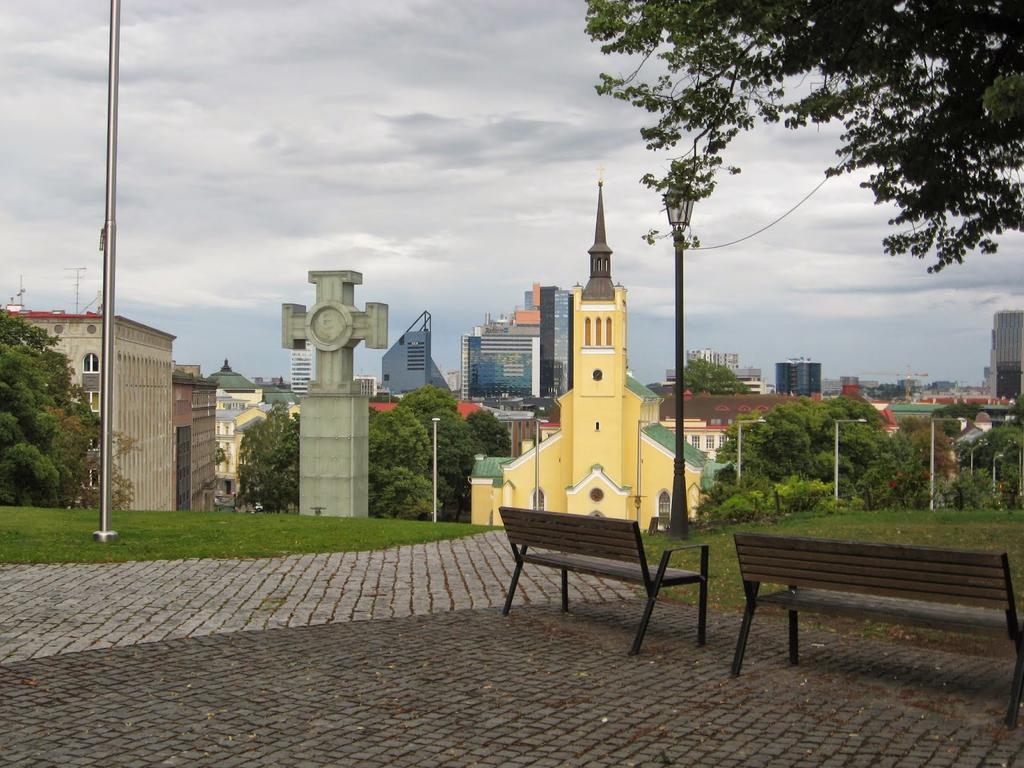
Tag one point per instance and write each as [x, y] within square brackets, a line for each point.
[65, 535]
[985, 530]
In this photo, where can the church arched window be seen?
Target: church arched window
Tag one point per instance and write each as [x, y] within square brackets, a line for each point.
[586, 332]
[608, 331]
[664, 509]
[91, 363]
[597, 327]
[538, 498]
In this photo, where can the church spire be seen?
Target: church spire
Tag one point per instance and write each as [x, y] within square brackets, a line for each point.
[600, 287]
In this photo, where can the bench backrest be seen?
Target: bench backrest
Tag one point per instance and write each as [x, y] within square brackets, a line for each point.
[890, 570]
[574, 534]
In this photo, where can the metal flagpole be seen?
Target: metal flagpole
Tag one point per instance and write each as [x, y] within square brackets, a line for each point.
[105, 534]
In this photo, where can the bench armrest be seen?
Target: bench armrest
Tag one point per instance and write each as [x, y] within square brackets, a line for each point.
[666, 554]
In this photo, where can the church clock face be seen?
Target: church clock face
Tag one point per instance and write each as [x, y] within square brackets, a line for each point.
[598, 374]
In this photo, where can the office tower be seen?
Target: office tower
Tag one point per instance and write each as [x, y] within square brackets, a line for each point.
[301, 370]
[408, 365]
[1005, 378]
[798, 376]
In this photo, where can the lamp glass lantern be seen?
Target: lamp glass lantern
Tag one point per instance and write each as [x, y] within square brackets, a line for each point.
[679, 208]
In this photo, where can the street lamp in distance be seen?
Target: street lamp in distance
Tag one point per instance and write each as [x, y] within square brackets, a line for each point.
[835, 477]
[679, 207]
[435, 420]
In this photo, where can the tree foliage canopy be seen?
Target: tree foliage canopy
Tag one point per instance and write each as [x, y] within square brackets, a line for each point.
[45, 430]
[798, 439]
[702, 376]
[931, 97]
[268, 467]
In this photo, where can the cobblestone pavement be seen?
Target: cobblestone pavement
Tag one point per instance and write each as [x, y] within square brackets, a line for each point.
[537, 688]
[51, 609]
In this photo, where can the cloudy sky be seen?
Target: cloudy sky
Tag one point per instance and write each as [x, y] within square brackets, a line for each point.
[448, 150]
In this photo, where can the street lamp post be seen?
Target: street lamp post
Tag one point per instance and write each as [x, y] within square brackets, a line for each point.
[973, 449]
[435, 420]
[679, 207]
[931, 466]
[994, 457]
[105, 534]
[739, 445]
[835, 481]
[536, 465]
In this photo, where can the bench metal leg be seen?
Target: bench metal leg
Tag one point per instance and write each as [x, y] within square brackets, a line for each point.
[1016, 689]
[794, 638]
[702, 614]
[642, 629]
[512, 589]
[741, 642]
[565, 590]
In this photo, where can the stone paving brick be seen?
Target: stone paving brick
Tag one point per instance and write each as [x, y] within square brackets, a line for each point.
[474, 688]
[51, 609]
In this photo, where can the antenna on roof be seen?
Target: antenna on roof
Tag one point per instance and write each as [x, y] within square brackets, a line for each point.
[78, 281]
[17, 305]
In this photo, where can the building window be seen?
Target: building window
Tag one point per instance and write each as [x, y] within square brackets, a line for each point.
[664, 509]
[597, 426]
[608, 332]
[93, 398]
[586, 332]
[90, 363]
[709, 442]
[695, 441]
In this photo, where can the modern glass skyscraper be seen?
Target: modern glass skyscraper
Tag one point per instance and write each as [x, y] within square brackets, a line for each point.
[798, 377]
[555, 341]
[1005, 376]
[499, 364]
[408, 365]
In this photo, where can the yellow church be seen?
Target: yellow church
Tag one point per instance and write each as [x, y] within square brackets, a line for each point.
[609, 456]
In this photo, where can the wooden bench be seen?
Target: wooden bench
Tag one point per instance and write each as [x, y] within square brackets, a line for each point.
[600, 547]
[957, 590]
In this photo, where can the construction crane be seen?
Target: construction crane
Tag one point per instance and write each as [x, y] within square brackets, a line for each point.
[908, 377]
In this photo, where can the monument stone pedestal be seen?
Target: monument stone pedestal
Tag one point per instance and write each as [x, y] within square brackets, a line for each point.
[333, 455]
[335, 418]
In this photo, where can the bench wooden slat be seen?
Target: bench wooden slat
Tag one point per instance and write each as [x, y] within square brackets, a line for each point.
[900, 611]
[882, 587]
[886, 570]
[560, 518]
[838, 547]
[579, 547]
[838, 563]
[599, 567]
[575, 534]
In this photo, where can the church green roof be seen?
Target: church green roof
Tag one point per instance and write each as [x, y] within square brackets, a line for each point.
[228, 379]
[280, 396]
[666, 438]
[490, 466]
[640, 390]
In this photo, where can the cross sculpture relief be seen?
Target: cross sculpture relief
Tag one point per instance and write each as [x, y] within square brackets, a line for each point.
[334, 327]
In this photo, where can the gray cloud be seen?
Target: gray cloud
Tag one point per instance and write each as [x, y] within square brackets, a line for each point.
[449, 151]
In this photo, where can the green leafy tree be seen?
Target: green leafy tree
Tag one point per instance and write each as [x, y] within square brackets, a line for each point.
[455, 446]
[930, 96]
[1000, 447]
[798, 440]
[268, 467]
[400, 454]
[45, 431]
[714, 379]
[490, 436]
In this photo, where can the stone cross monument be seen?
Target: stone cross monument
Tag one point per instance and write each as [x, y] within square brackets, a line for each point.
[334, 426]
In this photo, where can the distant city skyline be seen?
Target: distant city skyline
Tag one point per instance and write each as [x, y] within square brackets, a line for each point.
[450, 152]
